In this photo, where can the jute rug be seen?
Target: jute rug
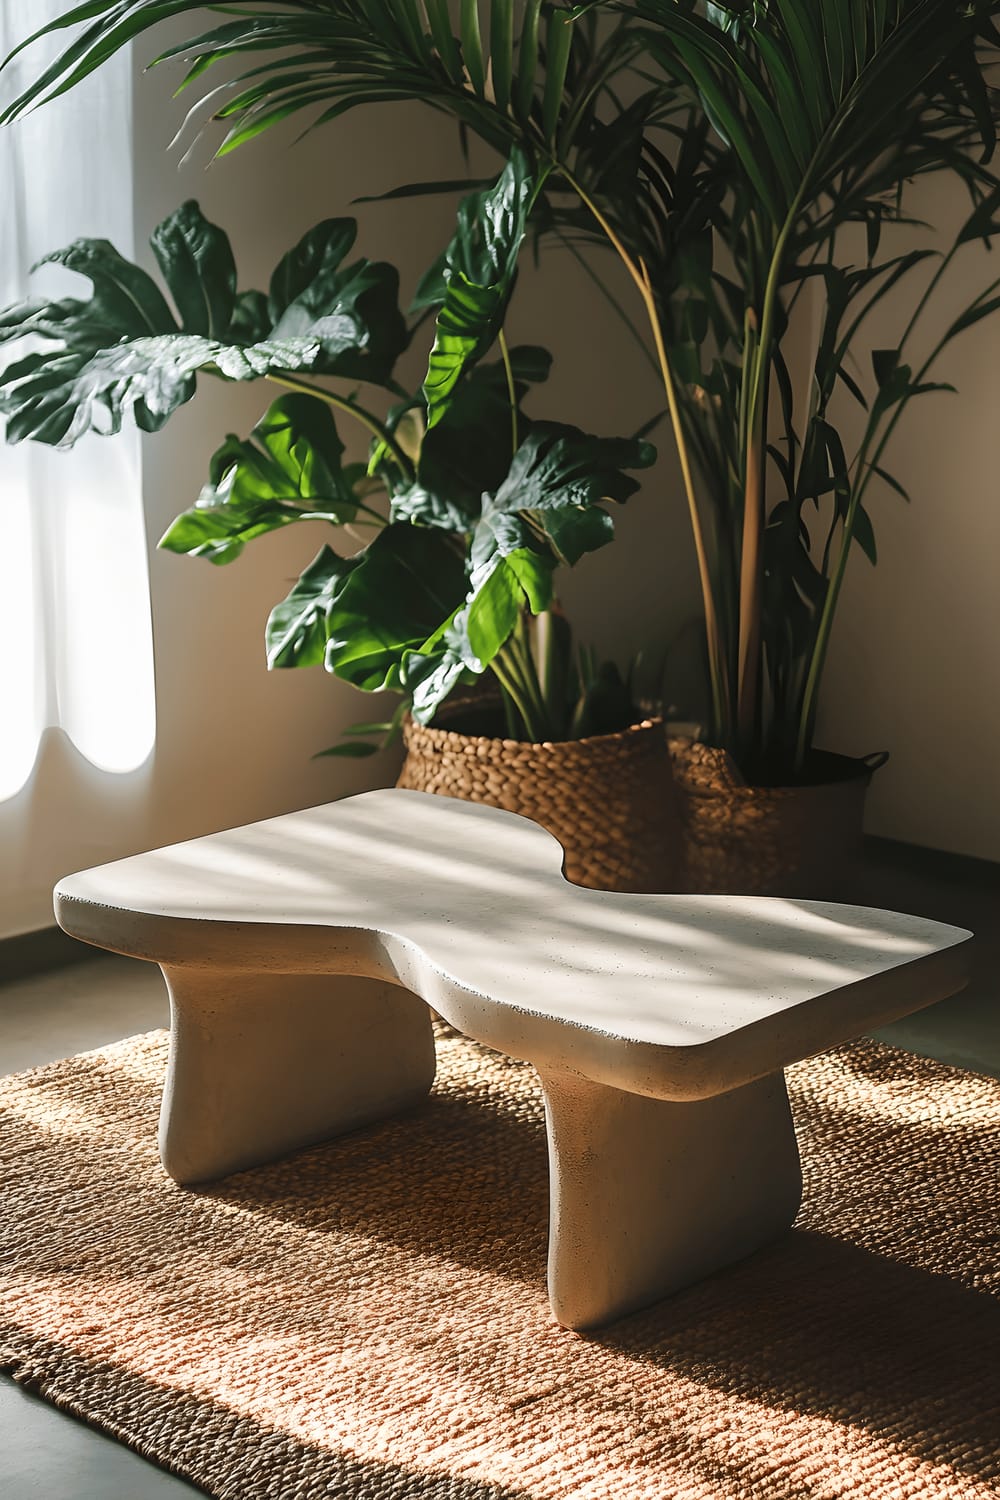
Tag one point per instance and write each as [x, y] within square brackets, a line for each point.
[368, 1319]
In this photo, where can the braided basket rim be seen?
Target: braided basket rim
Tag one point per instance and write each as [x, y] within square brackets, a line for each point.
[707, 772]
[432, 735]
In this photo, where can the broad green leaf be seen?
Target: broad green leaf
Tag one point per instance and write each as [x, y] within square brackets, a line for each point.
[533, 572]
[297, 630]
[501, 589]
[547, 512]
[466, 326]
[288, 470]
[67, 394]
[554, 488]
[317, 255]
[493, 610]
[353, 311]
[558, 464]
[572, 531]
[432, 288]
[251, 321]
[121, 350]
[479, 271]
[468, 453]
[445, 660]
[196, 261]
[401, 588]
[125, 298]
[421, 506]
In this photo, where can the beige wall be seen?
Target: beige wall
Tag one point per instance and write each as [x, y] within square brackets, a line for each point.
[915, 663]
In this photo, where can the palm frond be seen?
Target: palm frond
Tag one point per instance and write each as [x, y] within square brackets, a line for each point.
[517, 72]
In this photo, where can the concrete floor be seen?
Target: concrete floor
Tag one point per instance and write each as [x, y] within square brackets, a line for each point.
[47, 1455]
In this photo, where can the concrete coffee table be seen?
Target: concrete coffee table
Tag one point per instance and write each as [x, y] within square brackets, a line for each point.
[302, 953]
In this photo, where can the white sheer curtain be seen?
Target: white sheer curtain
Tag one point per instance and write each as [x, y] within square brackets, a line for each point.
[74, 594]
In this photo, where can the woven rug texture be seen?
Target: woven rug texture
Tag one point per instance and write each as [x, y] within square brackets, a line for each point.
[368, 1318]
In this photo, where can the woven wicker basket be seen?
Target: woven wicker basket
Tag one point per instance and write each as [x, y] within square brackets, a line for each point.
[801, 841]
[608, 800]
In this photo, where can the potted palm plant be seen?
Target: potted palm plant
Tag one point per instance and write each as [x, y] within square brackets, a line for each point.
[744, 161]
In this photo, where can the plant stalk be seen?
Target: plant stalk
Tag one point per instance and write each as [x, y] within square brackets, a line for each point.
[517, 678]
[640, 275]
[751, 557]
[515, 440]
[366, 418]
[513, 694]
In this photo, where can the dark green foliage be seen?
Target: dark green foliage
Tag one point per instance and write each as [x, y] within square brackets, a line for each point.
[786, 133]
[124, 348]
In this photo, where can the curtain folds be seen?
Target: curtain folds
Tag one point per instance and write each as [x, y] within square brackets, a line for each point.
[77, 638]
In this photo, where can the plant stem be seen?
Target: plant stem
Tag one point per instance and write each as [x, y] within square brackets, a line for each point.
[509, 671]
[610, 298]
[640, 275]
[511, 391]
[717, 670]
[520, 644]
[751, 559]
[366, 418]
[512, 693]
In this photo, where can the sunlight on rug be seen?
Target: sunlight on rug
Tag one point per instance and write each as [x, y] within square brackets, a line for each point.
[368, 1319]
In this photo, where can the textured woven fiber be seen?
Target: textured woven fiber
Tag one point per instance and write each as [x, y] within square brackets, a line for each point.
[608, 799]
[368, 1319]
[737, 839]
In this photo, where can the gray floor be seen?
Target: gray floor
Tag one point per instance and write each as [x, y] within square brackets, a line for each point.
[49, 1456]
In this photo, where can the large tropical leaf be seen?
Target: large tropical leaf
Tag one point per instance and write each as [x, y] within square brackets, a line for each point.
[554, 491]
[469, 452]
[353, 311]
[297, 628]
[502, 587]
[289, 469]
[361, 615]
[479, 271]
[546, 512]
[444, 661]
[124, 348]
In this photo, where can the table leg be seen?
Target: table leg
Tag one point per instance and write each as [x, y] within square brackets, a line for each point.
[649, 1195]
[262, 1064]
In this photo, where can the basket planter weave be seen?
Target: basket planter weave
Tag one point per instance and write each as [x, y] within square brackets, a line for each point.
[608, 799]
[797, 841]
